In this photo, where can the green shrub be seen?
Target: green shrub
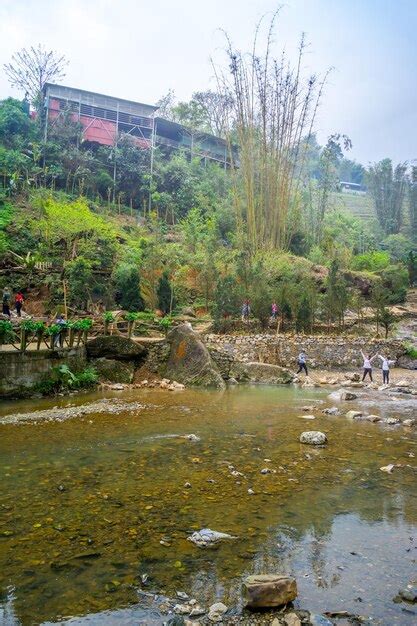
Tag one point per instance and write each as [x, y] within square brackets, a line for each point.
[411, 351]
[371, 261]
[62, 378]
[7, 334]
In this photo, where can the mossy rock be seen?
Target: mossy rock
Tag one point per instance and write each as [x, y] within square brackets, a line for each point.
[189, 360]
[115, 347]
[113, 371]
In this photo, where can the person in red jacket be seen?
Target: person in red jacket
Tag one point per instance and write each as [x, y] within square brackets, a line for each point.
[18, 303]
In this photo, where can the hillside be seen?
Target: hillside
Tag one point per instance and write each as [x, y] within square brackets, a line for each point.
[360, 205]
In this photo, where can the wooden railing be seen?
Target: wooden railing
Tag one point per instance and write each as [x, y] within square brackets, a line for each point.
[36, 335]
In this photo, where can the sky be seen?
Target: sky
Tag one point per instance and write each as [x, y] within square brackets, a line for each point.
[138, 50]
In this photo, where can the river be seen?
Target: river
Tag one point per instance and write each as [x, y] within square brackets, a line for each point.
[86, 503]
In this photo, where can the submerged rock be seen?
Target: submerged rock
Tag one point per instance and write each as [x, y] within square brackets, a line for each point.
[206, 537]
[269, 590]
[333, 410]
[353, 414]
[189, 360]
[409, 593]
[313, 438]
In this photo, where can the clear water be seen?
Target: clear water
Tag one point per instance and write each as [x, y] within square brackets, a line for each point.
[346, 530]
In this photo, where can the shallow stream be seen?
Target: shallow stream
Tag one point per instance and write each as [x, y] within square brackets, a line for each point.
[86, 502]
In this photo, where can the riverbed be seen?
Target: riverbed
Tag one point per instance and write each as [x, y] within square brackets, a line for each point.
[96, 510]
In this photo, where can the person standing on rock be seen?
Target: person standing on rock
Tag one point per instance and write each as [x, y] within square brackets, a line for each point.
[367, 365]
[302, 363]
[386, 363]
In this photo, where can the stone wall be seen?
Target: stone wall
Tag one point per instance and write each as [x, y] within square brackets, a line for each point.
[21, 372]
[322, 351]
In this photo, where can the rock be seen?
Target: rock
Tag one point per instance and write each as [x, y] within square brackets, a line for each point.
[348, 395]
[182, 609]
[388, 468]
[402, 383]
[117, 387]
[313, 438]
[187, 485]
[191, 437]
[333, 410]
[251, 492]
[409, 593]
[188, 311]
[407, 362]
[232, 381]
[197, 611]
[206, 537]
[189, 360]
[182, 595]
[383, 387]
[269, 590]
[353, 414]
[320, 620]
[308, 417]
[216, 612]
[115, 347]
[308, 408]
[371, 418]
[409, 422]
[292, 619]
[260, 373]
[110, 370]
[265, 470]
[390, 421]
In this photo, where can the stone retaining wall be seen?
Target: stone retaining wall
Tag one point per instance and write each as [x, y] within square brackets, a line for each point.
[322, 351]
[21, 372]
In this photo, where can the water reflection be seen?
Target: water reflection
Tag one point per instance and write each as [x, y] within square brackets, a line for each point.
[88, 501]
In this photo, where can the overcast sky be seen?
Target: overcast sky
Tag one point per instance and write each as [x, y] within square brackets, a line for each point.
[139, 49]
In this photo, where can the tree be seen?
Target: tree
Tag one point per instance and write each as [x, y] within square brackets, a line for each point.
[387, 186]
[165, 294]
[29, 70]
[387, 319]
[127, 284]
[379, 299]
[337, 295]
[412, 268]
[412, 203]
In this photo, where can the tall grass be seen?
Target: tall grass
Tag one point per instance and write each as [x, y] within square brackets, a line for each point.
[273, 116]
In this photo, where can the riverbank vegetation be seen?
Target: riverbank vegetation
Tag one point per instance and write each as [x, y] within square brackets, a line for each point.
[193, 233]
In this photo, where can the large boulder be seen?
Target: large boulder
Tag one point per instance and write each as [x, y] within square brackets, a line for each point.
[110, 370]
[115, 347]
[260, 373]
[189, 361]
[269, 590]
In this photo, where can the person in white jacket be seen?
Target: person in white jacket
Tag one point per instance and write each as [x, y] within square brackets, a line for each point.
[367, 365]
[386, 363]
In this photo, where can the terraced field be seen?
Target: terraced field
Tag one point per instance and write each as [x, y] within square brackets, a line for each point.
[360, 205]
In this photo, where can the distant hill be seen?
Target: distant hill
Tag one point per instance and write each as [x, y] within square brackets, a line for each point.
[360, 205]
